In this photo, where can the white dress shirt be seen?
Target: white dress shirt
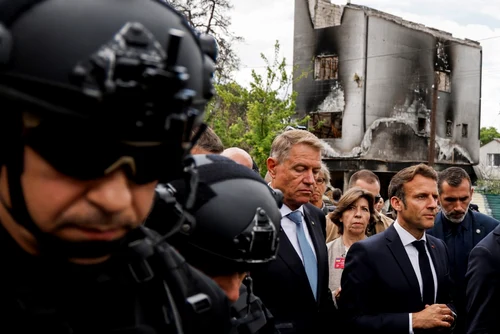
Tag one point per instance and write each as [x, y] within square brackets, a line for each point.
[407, 239]
[290, 229]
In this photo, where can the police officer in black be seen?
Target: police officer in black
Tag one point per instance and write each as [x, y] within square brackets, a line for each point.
[228, 228]
[93, 93]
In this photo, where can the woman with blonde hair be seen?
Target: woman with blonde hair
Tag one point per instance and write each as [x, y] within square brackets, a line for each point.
[353, 216]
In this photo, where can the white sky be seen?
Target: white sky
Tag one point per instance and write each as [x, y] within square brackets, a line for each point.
[262, 22]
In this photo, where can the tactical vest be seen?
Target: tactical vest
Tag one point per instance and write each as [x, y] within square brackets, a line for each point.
[191, 302]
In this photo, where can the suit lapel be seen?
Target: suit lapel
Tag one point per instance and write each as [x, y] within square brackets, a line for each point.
[318, 241]
[314, 232]
[399, 252]
[290, 257]
[436, 261]
[476, 227]
[438, 226]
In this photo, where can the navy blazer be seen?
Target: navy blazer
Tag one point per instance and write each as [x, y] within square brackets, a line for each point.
[483, 286]
[284, 288]
[475, 227]
[379, 285]
[480, 226]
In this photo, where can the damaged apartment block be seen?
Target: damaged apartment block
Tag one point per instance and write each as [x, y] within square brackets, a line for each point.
[384, 93]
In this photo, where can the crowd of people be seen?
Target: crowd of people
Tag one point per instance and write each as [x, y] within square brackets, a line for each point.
[122, 212]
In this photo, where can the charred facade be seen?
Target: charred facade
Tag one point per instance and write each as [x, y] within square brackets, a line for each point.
[371, 89]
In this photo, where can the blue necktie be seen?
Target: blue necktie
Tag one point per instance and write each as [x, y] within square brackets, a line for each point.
[310, 263]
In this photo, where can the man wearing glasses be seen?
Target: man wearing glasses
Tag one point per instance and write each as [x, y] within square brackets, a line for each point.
[322, 183]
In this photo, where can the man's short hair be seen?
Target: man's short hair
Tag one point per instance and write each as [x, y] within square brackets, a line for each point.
[284, 142]
[336, 194]
[209, 141]
[453, 176]
[365, 175]
[396, 187]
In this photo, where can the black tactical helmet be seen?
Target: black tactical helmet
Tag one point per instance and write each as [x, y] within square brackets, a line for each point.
[103, 74]
[106, 84]
[236, 217]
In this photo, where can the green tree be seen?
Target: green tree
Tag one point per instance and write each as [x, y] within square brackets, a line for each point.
[488, 134]
[226, 113]
[251, 118]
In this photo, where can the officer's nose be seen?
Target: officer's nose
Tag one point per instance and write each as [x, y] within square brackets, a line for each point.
[112, 193]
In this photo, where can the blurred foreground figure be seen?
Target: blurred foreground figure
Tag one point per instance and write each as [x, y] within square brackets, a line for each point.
[96, 109]
[234, 227]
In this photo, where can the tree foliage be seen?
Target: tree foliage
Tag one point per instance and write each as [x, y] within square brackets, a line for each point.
[250, 118]
[488, 186]
[212, 17]
[488, 134]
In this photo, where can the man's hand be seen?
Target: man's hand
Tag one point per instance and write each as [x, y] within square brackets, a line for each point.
[336, 293]
[433, 316]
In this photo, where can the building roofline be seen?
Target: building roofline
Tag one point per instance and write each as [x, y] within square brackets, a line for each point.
[412, 25]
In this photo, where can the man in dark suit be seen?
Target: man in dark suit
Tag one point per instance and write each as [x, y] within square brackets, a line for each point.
[460, 228]
[294, 287]
[397, 281]
[483, 286]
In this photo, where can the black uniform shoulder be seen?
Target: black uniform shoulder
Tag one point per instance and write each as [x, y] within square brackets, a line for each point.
[249, 314]
[202, 305]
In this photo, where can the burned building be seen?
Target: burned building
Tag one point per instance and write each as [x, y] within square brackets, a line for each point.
[384, 93]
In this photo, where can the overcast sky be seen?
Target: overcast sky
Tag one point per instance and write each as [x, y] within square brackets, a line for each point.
[262, 22]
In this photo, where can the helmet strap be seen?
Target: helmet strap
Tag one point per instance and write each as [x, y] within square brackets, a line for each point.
[186, 221]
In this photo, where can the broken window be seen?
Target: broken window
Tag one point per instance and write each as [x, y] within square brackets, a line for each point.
[421, 124]
[326, 67]
[444, 83]
[465, 130]
[449, 128]
[326, 125]
[493, 159]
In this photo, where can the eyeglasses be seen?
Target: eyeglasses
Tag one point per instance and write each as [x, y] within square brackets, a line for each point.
[320, 180]
[91, 158]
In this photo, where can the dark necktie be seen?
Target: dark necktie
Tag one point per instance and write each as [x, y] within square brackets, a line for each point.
[426, 272]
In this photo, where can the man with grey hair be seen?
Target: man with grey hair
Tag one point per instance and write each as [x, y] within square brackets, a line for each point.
[294, 287]
[322, 183]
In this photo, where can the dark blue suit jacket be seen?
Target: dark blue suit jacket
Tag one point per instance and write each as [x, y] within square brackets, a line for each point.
[474, 228]
[379, 285]
[483, 286]
[283, 287]
[477, 224]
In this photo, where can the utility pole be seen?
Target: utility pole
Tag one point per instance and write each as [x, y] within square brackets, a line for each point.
[432, 137]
